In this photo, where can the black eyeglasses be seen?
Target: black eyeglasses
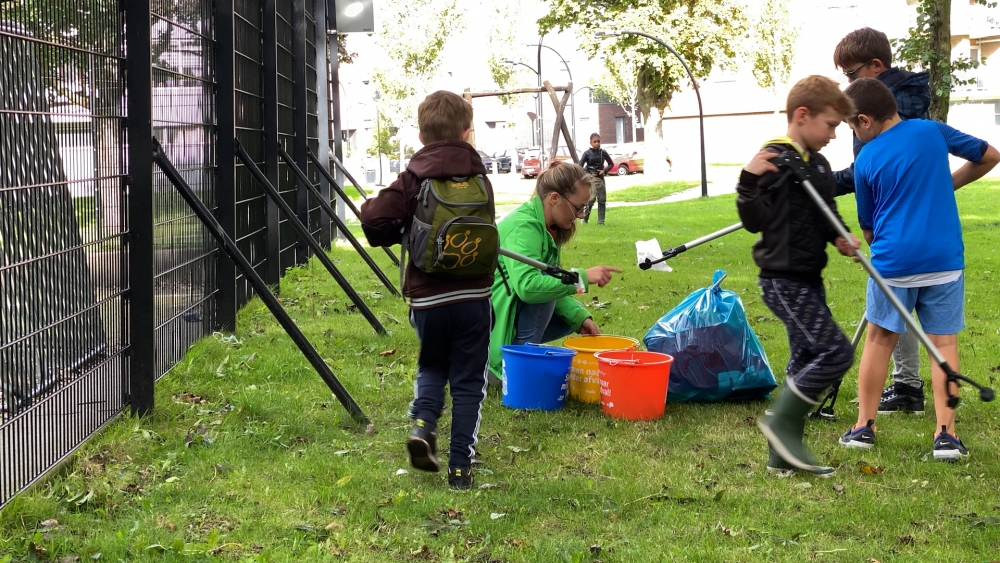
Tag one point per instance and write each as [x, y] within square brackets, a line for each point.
[850, 73]
[577, 209]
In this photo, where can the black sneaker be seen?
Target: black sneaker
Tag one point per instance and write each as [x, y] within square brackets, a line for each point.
[948, 447]
[460, 477]
[862, 438]
[422, 445]
[901, 398]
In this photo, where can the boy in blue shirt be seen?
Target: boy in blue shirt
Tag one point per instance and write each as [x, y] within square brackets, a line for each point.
[866, 53]
[905, 191]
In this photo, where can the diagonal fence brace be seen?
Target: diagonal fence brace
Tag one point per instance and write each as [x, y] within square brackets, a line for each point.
[318, 250]
[229, 247]
[261, 178]
[340, 191]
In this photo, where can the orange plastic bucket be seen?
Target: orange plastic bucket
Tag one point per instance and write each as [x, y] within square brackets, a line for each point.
[584, 382]
[634, 384]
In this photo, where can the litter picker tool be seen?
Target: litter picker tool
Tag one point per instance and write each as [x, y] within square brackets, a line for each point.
[668, 254]
[793, 161]
[824, 410]
[568, 277]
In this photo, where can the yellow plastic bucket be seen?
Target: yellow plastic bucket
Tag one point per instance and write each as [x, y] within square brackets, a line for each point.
[584, 380]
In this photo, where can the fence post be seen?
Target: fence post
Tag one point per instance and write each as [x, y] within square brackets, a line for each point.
[269, 90]
[333, 87]
[322, 113]
[225, 186]
[301, 118]
[139, 84]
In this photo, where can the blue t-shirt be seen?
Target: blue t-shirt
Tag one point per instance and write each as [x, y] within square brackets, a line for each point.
[904, 189]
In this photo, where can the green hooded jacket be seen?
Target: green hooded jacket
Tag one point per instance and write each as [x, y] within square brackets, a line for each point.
[523, 231]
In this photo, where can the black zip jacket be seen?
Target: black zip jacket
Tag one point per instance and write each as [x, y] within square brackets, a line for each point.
[592, 160]
[794, 232]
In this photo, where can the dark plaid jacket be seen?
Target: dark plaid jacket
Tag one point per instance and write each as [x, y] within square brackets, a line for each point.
[913, 98]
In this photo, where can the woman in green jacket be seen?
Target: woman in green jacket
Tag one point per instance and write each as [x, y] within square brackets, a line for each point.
[539, 308]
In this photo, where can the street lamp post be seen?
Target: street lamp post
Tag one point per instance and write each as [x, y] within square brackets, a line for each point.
[378, 138]
[572, 108]
[538, 109]
[697, 92]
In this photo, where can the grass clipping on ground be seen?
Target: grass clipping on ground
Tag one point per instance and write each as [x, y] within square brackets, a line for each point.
[248, 457]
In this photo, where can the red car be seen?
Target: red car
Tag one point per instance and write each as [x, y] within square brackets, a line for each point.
[531, 167]
[631, 162]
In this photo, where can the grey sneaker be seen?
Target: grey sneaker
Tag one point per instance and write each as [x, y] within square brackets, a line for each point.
[948, 447]
[861, 438]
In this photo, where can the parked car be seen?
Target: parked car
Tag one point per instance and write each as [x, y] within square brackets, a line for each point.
[505, 161]
[487, 161]
[520, 159]
[531, 166]
[630, 159]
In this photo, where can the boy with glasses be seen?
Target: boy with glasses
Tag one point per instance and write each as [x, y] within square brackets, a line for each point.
[866, 53]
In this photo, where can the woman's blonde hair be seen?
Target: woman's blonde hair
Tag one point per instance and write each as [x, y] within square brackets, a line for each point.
[564, 178]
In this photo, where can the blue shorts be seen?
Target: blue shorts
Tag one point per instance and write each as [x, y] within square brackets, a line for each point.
[940, 308]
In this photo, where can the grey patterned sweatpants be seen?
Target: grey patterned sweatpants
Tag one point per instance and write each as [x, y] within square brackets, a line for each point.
[819, 352]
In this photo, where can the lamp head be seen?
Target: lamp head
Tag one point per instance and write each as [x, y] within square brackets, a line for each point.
[602, 34]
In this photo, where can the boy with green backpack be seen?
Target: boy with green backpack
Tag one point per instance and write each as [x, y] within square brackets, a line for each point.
[441, 210]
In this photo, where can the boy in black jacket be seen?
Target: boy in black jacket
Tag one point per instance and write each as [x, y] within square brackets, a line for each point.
[791, 254]
[592, 161]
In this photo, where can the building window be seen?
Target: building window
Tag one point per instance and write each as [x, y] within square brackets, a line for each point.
[619, 130]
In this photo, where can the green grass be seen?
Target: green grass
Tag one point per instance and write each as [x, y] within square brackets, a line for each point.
[649, 193]
[248, 457]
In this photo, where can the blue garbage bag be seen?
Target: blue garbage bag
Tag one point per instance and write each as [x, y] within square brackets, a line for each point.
[717, 356]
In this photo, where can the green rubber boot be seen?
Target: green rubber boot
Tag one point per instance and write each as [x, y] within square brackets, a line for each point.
[784, 431]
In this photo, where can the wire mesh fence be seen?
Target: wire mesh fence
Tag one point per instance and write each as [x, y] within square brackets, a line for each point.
[82, 314]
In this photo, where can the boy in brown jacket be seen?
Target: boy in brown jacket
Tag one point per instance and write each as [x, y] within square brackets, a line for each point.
[452, 317]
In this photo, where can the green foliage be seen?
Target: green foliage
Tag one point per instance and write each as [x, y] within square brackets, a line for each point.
[414, 33]
[289, 478]
[382, 140]
[927, 47]
[708, 34]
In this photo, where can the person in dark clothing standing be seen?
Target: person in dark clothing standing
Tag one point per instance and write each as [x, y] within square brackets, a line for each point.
[791, 254]
[592, 161]
[866, 53]
[452, 317]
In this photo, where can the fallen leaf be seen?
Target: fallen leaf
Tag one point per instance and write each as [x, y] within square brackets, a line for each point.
[838, 487]
[870, 469]
[48, 524]
[344, 480]
[370, 430]
[334, 526]
[595, 548]
[497, 515]
[517, 543]
[69, 559]
[401, 472]
[718, 495]
[803, 485]
[873, 560]
[387, 352]
[643, 307]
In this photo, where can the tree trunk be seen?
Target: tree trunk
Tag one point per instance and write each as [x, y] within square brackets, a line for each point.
[939, 12]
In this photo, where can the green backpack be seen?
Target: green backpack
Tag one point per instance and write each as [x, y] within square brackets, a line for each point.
[454, 233]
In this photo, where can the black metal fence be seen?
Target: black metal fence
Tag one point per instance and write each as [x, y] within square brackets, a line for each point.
[106, 275]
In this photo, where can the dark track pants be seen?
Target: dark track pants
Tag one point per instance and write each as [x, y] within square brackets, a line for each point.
[819, 352]
[455, 351]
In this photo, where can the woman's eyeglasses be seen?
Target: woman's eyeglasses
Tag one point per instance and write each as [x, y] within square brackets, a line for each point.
[577, 209]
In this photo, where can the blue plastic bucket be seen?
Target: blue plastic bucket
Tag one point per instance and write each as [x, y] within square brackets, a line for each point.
[535, 377]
